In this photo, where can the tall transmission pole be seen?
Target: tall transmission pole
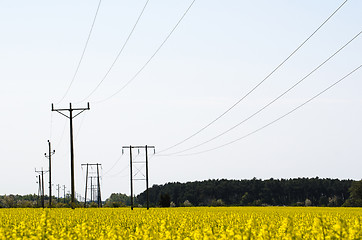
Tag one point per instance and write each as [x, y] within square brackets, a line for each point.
[41, 184]
[98, 185]
[131, 170]
[49, 156]
[70, 110]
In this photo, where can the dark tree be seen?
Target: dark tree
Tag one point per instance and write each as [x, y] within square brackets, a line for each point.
[165, 200]
[275, 192]
[355, 199]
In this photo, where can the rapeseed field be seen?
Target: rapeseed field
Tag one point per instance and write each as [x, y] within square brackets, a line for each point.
[182, 223]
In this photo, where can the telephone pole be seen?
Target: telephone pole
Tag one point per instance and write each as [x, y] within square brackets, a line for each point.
[49, 156]
[70, 110]
[131, 172]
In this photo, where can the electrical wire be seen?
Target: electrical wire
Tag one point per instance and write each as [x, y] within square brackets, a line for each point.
[82, 56]
[276, 120]
[271, 102]
[116, 164]
[80, 126]
[116, 174]
[118, 159]
[152, 56]
[255, 87]
[118, 55]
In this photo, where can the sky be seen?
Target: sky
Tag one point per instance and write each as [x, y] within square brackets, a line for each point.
[219, 51]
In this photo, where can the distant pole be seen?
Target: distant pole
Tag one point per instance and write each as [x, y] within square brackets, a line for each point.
[91, 189]
[130, 159]
[41, 182]
[39, 189]
[58, 191]
[42, 186]
[147, 196]
[70, 109]
[99, 188]
[86, 186]
[49, 156]
[64, 193]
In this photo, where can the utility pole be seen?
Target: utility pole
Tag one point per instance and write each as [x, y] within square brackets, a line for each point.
[41, 182]
[98, 186]
[131, 172]
[49, 156]
[70, 109]
[58, 187]
[39, 188]
[64, 193]
[86, 186]
[99, 199]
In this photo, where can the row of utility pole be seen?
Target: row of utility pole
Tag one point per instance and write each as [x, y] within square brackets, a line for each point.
[41, 192]
[71, 115]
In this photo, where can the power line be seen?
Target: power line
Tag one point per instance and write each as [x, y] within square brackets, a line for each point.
[118, 159]
[119, 53]
[149, 60]
[116, 164]
[255, 87]
[274, 100]
[116, 174]
[276, 120]
[81, 57]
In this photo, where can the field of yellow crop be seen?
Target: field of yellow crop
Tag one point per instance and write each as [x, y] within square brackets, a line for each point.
[182, 223]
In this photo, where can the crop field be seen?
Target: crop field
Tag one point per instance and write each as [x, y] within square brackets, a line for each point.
[182, 223]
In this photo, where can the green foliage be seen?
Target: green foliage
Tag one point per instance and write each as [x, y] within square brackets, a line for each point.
[254, 192]
[355, 199]
[118, 200]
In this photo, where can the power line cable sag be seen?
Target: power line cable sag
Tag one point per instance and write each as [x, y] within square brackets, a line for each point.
[82, 56]
[255, 87]
[150, 59]
[118, 55]
[274, 121]
[271, 102]
[118, 159]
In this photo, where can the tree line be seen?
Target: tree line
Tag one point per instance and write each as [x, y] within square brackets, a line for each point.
[254, 192]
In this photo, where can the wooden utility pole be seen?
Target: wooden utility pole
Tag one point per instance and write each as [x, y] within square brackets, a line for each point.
[70, 109]
[131, 172]
[86, 186]
[64, 193]
[49, 156]
[39, 188]
[99, 199]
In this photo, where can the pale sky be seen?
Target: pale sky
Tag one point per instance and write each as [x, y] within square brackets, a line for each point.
[219, 52]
